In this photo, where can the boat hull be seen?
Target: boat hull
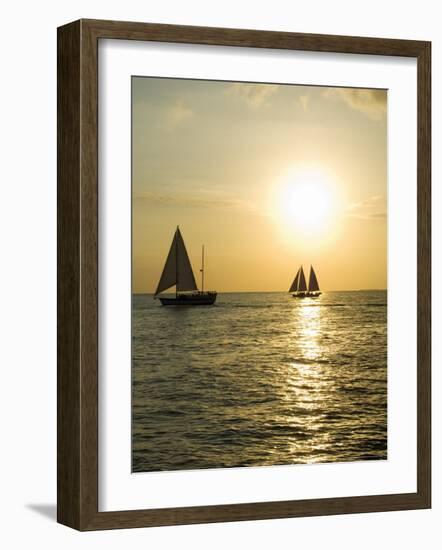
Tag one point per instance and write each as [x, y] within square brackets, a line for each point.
[199, 299]
[307, 294]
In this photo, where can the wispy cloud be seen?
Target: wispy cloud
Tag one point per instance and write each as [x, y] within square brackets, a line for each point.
[303, 102]
[373, 208]
[200, 200]
[372, 103]
[178, 113]
[255, 95]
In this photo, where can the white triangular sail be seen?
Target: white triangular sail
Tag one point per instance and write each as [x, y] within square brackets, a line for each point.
[294, 286]
[302, 286]
[313, 285]
[177, 269]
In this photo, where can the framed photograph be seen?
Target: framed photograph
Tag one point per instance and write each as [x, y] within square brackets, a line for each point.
[243, 274]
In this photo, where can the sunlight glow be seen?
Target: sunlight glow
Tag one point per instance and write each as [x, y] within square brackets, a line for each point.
[306, 202]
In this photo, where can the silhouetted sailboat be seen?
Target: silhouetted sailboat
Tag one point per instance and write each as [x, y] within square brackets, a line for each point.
[178, 272]
[299, 287]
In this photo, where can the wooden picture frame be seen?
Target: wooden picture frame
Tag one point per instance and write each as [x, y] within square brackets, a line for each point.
[77, 225]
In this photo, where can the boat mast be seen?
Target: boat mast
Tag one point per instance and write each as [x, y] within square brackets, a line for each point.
[176, 263]
[202, 269]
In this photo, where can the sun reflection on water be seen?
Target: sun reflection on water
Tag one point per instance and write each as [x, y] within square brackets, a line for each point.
[308, 329]
[309, 387]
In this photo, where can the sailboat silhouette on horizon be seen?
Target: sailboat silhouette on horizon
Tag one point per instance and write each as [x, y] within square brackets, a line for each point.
[178, 272]
[299, 288]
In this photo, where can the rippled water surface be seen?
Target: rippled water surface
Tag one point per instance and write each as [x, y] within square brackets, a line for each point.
[259, 379]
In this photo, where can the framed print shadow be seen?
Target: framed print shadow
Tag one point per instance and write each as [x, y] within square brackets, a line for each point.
[244, 291]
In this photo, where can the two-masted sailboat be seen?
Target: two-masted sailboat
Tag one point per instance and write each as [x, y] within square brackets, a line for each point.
[178, 272]
[299, 287]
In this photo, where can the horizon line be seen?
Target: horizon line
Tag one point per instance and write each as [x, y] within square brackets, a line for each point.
[280, 291]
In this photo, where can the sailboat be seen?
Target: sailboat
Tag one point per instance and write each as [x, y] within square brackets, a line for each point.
[299, 286]
[178, 272]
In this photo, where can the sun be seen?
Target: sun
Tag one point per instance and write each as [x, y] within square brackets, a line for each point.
[305, 202]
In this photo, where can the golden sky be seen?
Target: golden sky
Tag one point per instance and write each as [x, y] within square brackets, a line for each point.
[265, 176]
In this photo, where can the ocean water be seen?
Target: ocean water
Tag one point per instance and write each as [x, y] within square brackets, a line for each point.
[259, 379]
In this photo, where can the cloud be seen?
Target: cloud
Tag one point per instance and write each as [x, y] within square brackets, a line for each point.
[203, 199]
[178, 113]
[303, 102]
[255, 95]
[373, 208]
[372, 103]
